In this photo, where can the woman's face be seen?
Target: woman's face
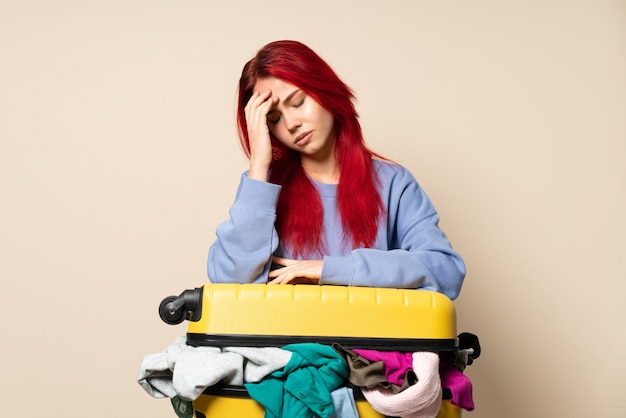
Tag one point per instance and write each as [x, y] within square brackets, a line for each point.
[297, 120]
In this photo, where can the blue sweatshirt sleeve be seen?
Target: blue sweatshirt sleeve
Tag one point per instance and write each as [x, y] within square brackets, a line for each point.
[242, 252]
[417, 254]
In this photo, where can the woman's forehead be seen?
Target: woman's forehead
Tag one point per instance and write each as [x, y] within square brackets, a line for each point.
[278, 87]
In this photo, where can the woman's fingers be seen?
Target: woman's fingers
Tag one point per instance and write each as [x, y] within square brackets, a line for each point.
[296, 271]
[257, 108]
[283, 261]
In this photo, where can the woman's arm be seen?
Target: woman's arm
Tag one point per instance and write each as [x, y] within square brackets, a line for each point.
[242, 252]
[416, 254]
[433, 266]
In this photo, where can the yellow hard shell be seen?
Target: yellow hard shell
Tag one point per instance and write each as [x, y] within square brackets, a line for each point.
[226, 407]
[308, 310]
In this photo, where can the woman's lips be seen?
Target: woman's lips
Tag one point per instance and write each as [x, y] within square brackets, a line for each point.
[303, 139]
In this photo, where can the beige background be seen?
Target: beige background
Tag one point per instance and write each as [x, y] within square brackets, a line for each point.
[118, 158]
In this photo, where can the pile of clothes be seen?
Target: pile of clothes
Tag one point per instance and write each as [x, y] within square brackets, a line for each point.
[314, 380]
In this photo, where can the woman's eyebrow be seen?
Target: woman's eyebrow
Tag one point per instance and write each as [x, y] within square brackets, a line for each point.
[290, 95]
[287, 100]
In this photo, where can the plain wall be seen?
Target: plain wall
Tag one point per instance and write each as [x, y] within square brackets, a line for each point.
[119, 157]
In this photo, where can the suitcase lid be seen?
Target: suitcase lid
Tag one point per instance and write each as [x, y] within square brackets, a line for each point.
[275, 315]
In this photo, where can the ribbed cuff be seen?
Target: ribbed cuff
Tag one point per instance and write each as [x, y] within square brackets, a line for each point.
[338, 270]
[260, 195]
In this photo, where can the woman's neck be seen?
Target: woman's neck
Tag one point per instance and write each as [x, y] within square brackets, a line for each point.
[322, 171]
[322, 166]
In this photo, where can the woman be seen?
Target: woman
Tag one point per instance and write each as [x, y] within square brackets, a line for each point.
[316, 206]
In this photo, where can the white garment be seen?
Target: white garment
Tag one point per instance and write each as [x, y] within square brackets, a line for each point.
[422, 400]
[186, 371]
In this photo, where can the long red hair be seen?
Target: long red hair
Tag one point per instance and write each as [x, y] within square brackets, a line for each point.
[299, 211]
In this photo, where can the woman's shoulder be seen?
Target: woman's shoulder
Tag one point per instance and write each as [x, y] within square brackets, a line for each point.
[389, 171]
[397, 184]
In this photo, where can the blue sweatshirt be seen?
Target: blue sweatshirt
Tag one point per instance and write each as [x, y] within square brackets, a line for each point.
[410, 250]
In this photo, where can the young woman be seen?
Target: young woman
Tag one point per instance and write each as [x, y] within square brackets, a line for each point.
[316, 205]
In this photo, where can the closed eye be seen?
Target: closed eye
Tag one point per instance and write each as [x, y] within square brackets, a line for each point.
[273, 118]
[295, 99]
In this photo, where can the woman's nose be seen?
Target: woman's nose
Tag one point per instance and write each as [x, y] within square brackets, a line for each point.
[292, 122]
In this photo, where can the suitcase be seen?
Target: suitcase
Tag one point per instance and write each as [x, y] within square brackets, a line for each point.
[259, 315]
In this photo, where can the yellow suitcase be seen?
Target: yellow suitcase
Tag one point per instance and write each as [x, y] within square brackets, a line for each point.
[275, 315]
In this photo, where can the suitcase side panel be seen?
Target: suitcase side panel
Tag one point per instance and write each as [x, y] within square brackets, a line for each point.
[308, 310]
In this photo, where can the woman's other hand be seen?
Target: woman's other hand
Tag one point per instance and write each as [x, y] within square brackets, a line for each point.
[256, 110]
[296, 271]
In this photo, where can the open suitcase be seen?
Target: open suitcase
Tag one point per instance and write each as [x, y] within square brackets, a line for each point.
[259, 315]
